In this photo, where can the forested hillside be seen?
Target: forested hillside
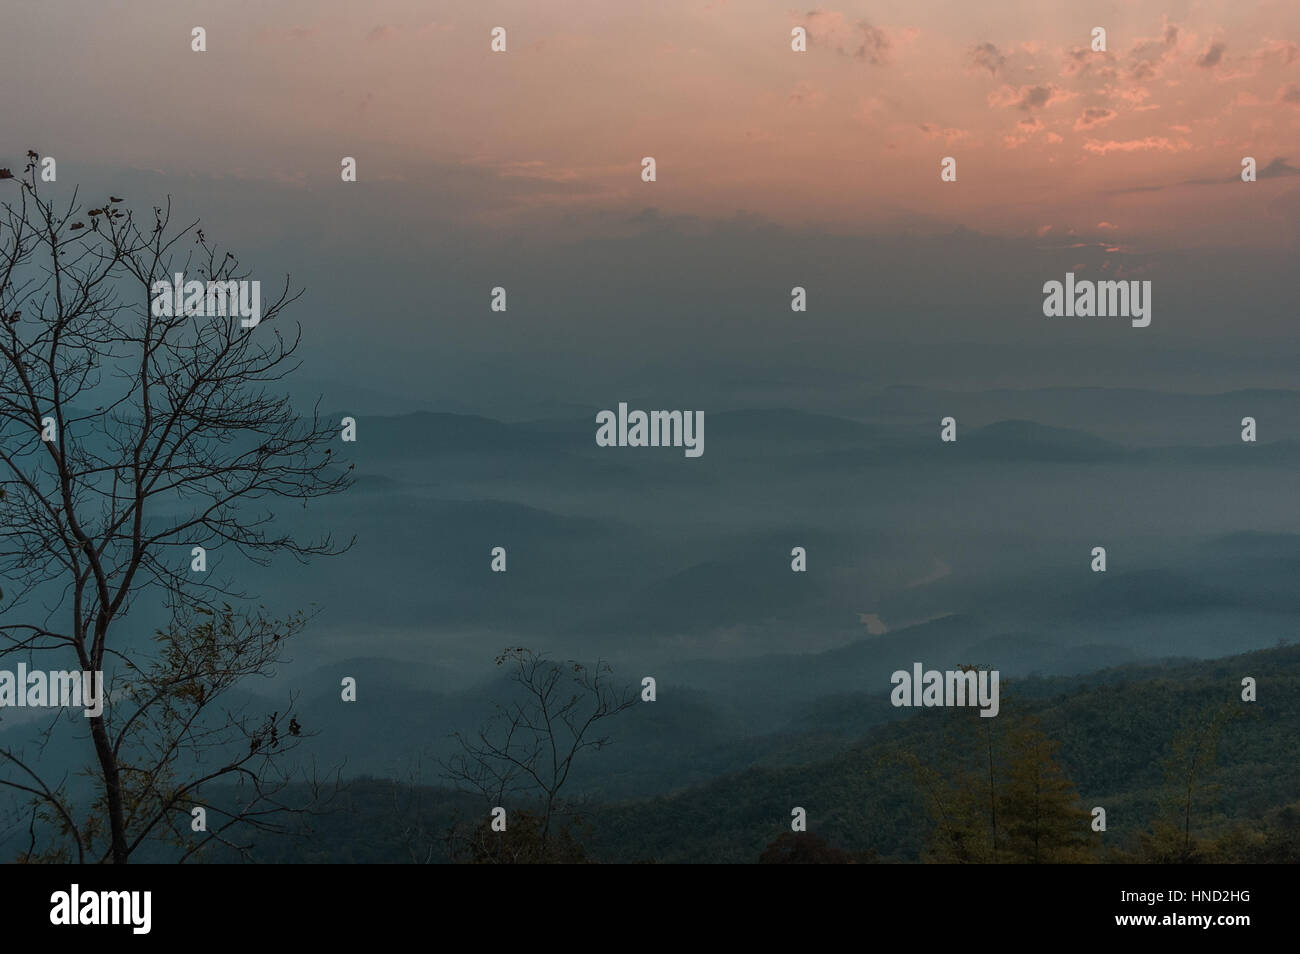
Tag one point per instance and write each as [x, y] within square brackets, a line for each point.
[1184, 769]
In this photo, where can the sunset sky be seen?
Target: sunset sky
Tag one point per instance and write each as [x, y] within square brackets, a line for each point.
[1047, 133]
[462, 152]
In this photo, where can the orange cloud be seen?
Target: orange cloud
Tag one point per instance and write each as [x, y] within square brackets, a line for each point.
[1149, 144]
[860, 40]
[1094, 116]
[948, 135]
[1029, 98]
[986, 56]
[1148, 57]
[1212, 56]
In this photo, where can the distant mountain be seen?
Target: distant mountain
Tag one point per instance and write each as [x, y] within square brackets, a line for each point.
[426, 433]
[1026, 440]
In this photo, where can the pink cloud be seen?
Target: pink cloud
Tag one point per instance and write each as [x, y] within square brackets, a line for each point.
[860, 39]
[1086, 63]
[1148, 57]
[1026, 129]
[948, 135]
[1286, 53]
[1213, 55]
[1093, 117]
[986, 56]
[1149, 144]
[1029, 98]
[1133, 95]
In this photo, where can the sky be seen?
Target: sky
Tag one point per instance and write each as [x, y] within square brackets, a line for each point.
[774, 168]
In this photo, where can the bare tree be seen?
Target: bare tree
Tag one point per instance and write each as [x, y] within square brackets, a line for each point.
[524, 755]
[127, 438]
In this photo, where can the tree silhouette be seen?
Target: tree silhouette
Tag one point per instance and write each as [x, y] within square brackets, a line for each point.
[525, 841]
[526, 752]
[168, 433]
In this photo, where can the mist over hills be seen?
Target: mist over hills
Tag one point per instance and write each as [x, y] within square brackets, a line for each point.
[974, 552]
